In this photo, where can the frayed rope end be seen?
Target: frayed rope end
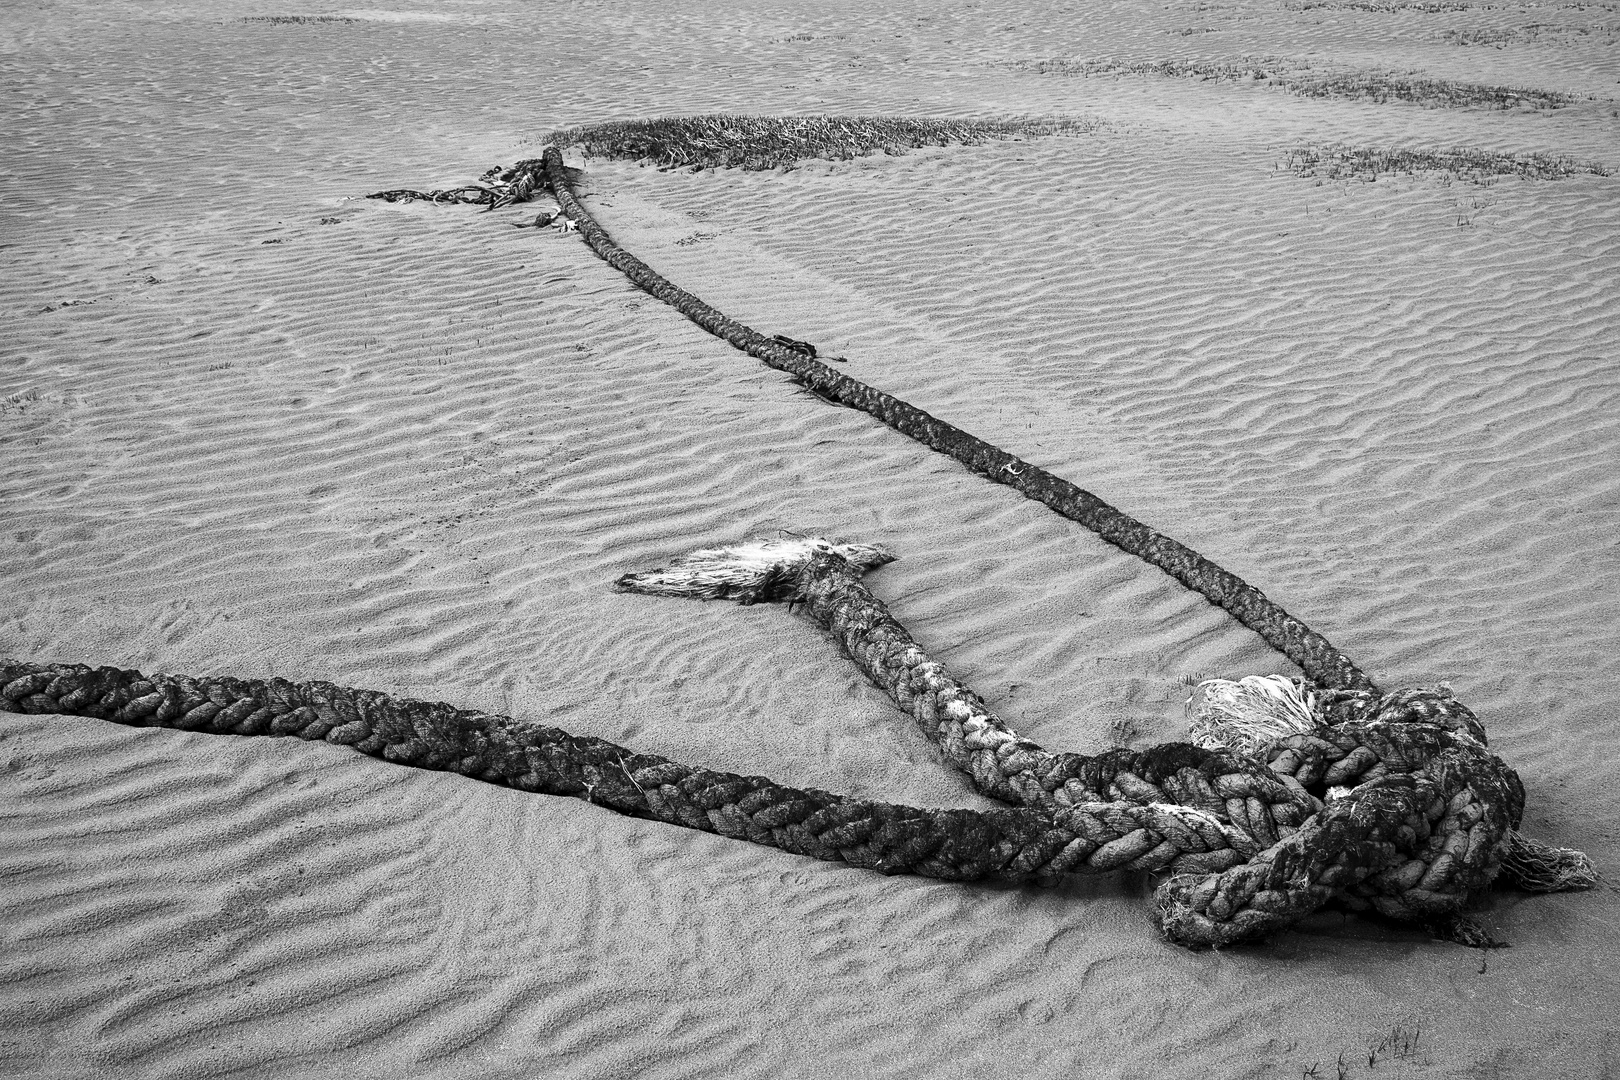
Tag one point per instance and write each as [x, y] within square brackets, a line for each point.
[750, 572]
[1537, 867]
[1244, 716]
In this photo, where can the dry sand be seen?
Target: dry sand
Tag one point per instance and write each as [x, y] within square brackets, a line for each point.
[250, 424]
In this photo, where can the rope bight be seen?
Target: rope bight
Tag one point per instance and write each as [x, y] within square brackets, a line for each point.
[1293, 792]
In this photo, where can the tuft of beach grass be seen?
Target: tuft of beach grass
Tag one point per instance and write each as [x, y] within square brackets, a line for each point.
[727, 141]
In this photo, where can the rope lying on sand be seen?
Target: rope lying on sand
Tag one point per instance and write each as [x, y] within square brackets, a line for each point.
[1430, 818]
[951, 844]
[1418, 815]
[1299, 643]
[1331, 790]
[1423, 813]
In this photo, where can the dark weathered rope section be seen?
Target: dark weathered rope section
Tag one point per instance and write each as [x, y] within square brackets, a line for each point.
[1317, 657]
[1016, 843]
[1242, 805]
[1320, 661]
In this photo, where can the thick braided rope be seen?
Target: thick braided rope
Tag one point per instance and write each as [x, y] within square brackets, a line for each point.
[1420, 815]
[957, 845]
[1234, 789]
[1320, 661]
[1243, 806]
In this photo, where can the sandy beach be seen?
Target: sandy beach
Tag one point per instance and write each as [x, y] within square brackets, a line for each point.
[252, 423]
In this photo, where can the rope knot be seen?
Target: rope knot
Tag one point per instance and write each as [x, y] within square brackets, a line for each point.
[1417, 813]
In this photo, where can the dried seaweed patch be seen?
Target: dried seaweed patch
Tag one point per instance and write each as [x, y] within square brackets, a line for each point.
[769, 142]
[1369, 163]
[1300, 78]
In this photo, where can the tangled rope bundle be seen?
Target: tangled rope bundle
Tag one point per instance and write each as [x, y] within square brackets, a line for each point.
[1295, 792]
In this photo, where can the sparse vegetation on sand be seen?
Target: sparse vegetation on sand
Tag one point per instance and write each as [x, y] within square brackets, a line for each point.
[1434, 93]
[298, 19]
[1299, 78]
[1423, 7]
[1400, 1045]
[1369, 163]
[1534, 34]
[769, 142]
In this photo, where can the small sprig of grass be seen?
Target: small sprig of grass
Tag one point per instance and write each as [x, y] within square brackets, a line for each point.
[1299, 78]
[769, 142]
[1369, 163]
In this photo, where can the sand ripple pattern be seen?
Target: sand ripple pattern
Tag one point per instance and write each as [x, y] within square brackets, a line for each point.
[250, 423]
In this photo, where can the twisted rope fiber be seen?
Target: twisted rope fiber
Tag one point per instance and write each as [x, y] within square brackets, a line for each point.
[954, 845]
[1242, 805]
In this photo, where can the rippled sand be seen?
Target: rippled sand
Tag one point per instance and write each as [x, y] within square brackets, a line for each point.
[253, 424]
